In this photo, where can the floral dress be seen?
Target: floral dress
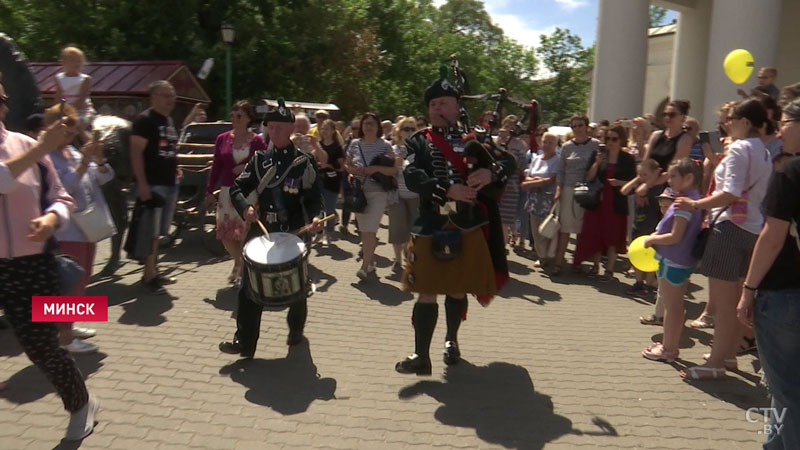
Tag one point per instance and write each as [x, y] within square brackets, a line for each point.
[230, 225]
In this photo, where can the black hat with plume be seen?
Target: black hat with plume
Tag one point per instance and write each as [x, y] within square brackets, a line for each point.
[440, 87]
[280, 113]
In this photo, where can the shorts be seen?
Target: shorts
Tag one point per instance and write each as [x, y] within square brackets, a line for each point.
[675, 276]
[163, 216]
[370, 220]
[728, 251]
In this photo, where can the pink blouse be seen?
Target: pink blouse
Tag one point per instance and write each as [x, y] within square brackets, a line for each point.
[222, 169]
[19, 197]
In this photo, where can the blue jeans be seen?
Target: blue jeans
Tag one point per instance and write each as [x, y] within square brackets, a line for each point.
[330, 207]
[777, 326]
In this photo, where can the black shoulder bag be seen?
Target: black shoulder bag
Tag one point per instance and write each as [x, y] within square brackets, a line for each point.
[354, 198]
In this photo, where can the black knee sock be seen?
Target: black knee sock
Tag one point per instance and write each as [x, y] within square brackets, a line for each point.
[296, 318]
[454, 309]
[425, 316]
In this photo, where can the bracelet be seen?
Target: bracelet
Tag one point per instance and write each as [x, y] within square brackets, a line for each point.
[748, 287]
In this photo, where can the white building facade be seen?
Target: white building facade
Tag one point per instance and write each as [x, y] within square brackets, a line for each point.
[627, 80]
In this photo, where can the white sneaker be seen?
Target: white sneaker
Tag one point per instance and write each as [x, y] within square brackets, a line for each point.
[83, 333]
[325, 240]
[81, 422]
[78, 346]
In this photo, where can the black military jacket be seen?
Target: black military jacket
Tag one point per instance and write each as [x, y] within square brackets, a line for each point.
[291, 196]
[428, 173]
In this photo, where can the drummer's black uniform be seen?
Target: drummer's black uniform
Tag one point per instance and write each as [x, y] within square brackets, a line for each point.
[286, 202]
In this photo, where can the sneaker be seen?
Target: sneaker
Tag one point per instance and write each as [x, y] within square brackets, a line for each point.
[83, 333]
[397, 267]
[343, 229]
[364, 274]
[81, 422]
[78, 346]
[638, 289]
[325, 240]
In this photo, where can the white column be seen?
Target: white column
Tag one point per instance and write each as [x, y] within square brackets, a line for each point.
[620, 59]
[751, 25]
[690, 56]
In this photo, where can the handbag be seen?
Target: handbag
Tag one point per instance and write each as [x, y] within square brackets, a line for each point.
[550, 225]
[354, 198]
[95, 222]
[587, 195]
[702, 238]
[447, 244]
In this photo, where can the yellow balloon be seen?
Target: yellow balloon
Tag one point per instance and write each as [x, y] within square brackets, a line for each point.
[738, 65]
[642, 258]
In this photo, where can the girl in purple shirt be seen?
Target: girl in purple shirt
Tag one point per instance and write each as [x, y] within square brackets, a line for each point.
[673, 240]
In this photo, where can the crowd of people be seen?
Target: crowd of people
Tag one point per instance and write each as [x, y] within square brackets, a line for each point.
[719, 203]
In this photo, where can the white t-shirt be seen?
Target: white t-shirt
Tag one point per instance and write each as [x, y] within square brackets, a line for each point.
[746, 166]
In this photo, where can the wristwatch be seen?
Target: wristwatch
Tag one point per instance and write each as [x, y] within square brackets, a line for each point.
[748, 287]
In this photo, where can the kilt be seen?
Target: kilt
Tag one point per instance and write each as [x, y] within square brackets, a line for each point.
[471, 272]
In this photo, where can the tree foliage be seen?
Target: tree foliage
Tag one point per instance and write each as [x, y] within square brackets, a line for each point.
[360, 54]
[567, 91]
[657, 16]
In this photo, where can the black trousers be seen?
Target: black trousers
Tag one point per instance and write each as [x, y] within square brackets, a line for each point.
[248, 318]
[20, 279]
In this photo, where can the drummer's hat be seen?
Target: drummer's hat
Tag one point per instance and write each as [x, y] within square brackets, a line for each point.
[280, 113]
[441, 87]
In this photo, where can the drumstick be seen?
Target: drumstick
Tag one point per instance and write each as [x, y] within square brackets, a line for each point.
[323, 220]
[263, 228]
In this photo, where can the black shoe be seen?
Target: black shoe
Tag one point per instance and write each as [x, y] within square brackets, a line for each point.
[414, 364]
[234, 348]
[164, 280]
[294, 338]
[452, 355]
[153, 286]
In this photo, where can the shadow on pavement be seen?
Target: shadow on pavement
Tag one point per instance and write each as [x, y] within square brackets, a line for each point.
[500, 403]
[286, 385]
[323, 281]
[333, 252]
[516, 288]
[9, 346]
[30, 383]
[227, 299]
[146, 310]
[386, 294]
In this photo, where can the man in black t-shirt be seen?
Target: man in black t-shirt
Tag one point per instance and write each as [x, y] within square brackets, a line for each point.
[154, 143]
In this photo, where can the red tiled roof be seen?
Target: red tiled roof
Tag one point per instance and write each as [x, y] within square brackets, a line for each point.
[125, 78]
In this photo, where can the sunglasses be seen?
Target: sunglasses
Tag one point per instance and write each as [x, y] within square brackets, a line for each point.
[408, 129]
[577, 125]
[762, 77]
[612, 139]
[670, 114]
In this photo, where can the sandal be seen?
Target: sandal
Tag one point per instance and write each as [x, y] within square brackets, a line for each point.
[704, 321]
[608, 276]
[730, 364]
[651, 320]
[747, 345]
[656, 352]
[703, 373]
[556, 271]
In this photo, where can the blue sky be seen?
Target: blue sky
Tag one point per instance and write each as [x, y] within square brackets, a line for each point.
[526, 20]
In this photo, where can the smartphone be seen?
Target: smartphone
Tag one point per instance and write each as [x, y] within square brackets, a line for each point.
[714, 142]
[602, 148]
[703, 136]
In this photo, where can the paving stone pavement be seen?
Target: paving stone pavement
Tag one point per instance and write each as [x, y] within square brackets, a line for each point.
[550, 363]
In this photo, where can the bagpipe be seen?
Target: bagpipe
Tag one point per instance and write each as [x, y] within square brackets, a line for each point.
[480, 150]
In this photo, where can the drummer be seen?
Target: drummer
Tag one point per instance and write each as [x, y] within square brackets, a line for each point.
[289, 197]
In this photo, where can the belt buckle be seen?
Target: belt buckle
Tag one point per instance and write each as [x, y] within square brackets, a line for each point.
[272, 217]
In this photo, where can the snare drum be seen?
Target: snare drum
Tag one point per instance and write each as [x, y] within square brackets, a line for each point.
[278, 270]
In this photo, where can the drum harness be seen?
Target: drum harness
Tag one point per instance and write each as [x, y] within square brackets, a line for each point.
[275, 190]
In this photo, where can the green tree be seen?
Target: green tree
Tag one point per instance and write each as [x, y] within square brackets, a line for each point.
[657, 16]
[567, 91]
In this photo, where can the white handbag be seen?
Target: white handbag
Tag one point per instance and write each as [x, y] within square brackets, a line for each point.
[95, 222]
[549, 226]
